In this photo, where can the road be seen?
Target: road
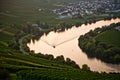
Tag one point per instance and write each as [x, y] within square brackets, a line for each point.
[20, 42]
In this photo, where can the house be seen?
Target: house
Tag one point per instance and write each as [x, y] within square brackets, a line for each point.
[35, 25]
[117, 28]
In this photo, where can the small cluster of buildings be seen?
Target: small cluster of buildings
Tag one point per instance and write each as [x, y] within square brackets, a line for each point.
[81, 8]
[117, 3]
[117, 28]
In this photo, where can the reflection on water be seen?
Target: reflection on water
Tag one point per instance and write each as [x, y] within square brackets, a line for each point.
[66, 43]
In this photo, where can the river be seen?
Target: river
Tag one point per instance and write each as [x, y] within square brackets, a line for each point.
[66, 44]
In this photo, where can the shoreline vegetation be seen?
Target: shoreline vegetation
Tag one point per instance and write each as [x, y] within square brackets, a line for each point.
[14, 64]
[102, 43]
[33, 36]
[17, 18]
[59, 28]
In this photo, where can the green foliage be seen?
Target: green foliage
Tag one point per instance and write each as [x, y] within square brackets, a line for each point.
[28, 67]
[64, 74]
[109, 37]
[60, 58]
[41, 67]
[4, 74]
[102, 43]
[5, 37]
[71, 63]
[19, 12]
[85, 67]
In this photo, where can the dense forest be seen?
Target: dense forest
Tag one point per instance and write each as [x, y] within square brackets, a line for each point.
[102, 43]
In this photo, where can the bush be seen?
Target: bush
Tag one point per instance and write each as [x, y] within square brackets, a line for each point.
[4, 74]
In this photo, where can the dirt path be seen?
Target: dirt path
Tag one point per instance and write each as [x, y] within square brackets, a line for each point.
[1, 29]
[6, 14]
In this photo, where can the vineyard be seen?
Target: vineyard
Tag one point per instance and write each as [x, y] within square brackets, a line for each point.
[26, 67]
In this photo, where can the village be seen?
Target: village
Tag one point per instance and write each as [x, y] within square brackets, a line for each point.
[81, 8]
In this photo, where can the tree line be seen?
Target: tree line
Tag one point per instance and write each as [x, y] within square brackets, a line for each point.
[101, 50]
[59, 59]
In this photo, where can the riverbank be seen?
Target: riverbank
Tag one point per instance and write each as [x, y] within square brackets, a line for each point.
[69, 48]
[102, 43]
[57, 62]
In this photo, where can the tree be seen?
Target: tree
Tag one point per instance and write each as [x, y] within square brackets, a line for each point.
[72, 63]
[60, 58]
[4, 74]
[68, 60]
[78, 24]
[85, 67]
[49, 56]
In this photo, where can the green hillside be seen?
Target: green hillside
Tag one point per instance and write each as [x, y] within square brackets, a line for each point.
[22, 11]
[110, 37]
[26, 67]
[16, 30]
[14, 65]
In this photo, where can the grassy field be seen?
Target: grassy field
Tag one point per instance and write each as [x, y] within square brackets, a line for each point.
[110, 37]
[22, 11]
